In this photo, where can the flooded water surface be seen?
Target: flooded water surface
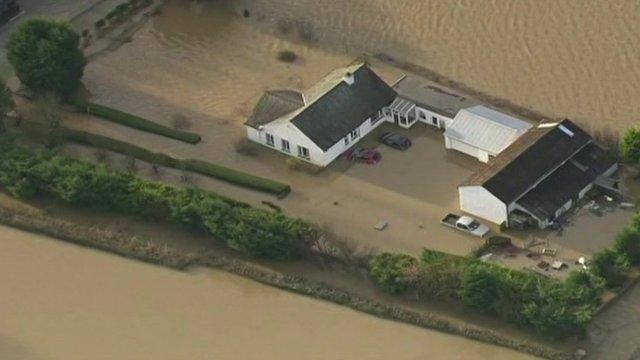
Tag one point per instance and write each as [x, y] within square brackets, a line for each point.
[60, 301]
[573, 58]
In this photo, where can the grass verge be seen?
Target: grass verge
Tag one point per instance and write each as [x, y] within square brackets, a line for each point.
[201, 167]
[136, 122]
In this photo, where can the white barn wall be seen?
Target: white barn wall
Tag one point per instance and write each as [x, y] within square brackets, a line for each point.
[477, 153]
[478, 201]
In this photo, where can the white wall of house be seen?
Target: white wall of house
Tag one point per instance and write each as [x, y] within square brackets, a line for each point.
[478, 153]
[280, 131]
[343, 145]
[478, 201]
[433, 119]
[286, 131]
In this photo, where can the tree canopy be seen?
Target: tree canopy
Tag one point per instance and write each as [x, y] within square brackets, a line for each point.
[6, 102]
[630, 147]
[46, 57]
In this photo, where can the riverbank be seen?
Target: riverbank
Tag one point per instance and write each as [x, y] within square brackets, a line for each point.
[132, 247]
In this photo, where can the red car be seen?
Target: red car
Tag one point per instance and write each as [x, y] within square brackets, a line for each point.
[366, 156]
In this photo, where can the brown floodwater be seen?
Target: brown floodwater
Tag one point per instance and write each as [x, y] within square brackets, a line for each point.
[61, 301]
[579, 59]
[205, 60]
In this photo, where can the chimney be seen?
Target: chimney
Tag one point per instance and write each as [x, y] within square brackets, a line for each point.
[349, 78]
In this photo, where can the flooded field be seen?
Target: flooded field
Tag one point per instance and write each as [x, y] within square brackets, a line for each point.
[61, 301]
[579, 59]
[208, 62]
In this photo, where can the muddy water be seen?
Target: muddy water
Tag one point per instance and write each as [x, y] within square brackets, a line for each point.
[60, 301]
[565, 58]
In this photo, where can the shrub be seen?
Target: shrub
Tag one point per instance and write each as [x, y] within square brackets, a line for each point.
[287, 56]
[440, 275]
[610, 266]
[583, 287]
[100, 24]
[390, 271]
[136, 122]
[630, 146]
[46, 56]
[25, 173]
[628, 244]
[480, 286]
[219, 172]
[6, 103]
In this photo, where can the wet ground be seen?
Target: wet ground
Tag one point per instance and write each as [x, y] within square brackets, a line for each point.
[62, 301]
[186, 61]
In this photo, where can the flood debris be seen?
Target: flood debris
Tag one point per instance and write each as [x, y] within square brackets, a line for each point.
[381, 225]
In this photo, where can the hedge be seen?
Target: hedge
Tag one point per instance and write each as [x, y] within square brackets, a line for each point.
[552, 308]
[219, 172]
[26, 173]
[136, 122]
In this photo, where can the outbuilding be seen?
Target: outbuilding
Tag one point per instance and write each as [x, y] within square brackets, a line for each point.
[541, 175]
[482, 132]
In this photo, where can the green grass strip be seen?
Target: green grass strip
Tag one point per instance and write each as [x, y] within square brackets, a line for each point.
[136, 122]
[201, 167]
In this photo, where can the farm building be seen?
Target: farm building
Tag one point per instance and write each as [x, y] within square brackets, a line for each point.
[323, 122]
[422, 101]
[540, 176]
[482, 132]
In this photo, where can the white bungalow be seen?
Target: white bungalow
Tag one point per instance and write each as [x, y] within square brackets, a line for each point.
[324, 121]
[482, 132]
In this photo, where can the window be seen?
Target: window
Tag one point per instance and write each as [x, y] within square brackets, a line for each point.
[270, 140]
[434, 120]
[422, 115]
[346, 140]
[403, 120]
[285, 146]
[355, 133]
[303, 152]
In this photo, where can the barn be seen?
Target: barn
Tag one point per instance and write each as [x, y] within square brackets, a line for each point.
[540, 176]
[482, 132]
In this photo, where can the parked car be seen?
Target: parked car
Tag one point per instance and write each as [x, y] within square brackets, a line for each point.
[367, 156]
[396, 141]
[466, 224]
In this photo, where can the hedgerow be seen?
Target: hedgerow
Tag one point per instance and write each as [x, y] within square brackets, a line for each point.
[552, 308]
[136, 122]
[28, 173]
[205, 168]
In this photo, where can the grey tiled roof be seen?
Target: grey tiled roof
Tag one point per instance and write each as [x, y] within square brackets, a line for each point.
[344, 107]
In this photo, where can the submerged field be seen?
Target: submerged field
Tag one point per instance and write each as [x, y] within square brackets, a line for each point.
[117, 308]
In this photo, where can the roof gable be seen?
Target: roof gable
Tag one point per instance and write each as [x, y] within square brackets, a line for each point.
[534, 155]
[342, 107]
[274, 104]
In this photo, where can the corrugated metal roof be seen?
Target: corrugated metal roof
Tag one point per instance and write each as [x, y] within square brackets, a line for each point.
[486, 129]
